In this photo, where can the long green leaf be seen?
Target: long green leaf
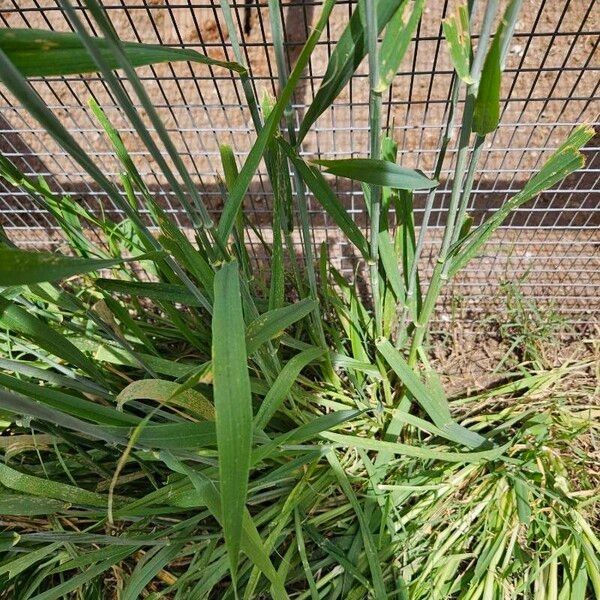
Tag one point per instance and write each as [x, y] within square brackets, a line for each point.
[42, 53]
[457, 34]
[274, 322]
[394, 448]
[283, 384]
[486, 113]
[378, 172]
[37, 486]
[23, 267]
[566, 159]
[233, 405]
[18, 319]
[169, 393]
[21, 504]
[370, 549]
[398, 34]
[433, 404]
[155, 290]
[345, 59]
[328, 200]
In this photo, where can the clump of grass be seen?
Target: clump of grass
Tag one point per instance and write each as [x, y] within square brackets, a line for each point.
[174, 426]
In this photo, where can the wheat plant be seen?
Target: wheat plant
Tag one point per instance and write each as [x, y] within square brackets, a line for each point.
[176, 426]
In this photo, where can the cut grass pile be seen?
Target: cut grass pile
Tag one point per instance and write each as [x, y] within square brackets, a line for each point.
[177, 425]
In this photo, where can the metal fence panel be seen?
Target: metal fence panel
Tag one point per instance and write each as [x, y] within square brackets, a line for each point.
[551, 83]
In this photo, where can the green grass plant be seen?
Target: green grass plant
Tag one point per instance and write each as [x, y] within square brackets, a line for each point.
[176, 426]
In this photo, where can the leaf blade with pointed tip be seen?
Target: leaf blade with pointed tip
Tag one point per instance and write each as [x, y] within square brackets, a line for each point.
[16, 318]
[566, 159]
[237, 192]
[344, 60]
[486, 112]
[24, 267]
[328, 200]
[42, 53]
[233, 405]
[396, 40]
[456, 32]
[168, 392]
[432, 401]
[378, 172]
[272, 323]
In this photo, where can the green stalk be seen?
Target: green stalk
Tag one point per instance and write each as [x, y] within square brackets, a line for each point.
[244, 77]
[466, 193]
[282, 75]
[412, 280]
[375, 150]
[437, 281]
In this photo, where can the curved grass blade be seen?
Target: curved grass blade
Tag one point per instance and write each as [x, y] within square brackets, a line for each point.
[23, 267]
[155, 290]
[170, 393]
[37, 486]
[378, 172]
[369, 544]
[328, 200]
[18, 319]
[566, 159]
[394, 448]
[344, 60]
[233, 405]
[42, 53]
[283, 384]
[274, 322]
[434, 404]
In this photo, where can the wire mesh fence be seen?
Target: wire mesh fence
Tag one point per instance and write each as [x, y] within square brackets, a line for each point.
[551, 245]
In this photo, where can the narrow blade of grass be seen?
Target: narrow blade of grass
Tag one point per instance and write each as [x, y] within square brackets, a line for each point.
[433, 404]
[157, 291]
[43, 53]
[328, 200]
[457, 33]
[23, 267]
[398, 34]
[283, 384]
[566, 159]
[168, 392]
[425, 452]
[378, 172]
[369, 544]
[344, 60]
[36, 486]
[274, 322]
[240, 187]
[233, 405]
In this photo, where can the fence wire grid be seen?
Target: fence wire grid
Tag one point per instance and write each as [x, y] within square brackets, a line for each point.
[551, 246]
